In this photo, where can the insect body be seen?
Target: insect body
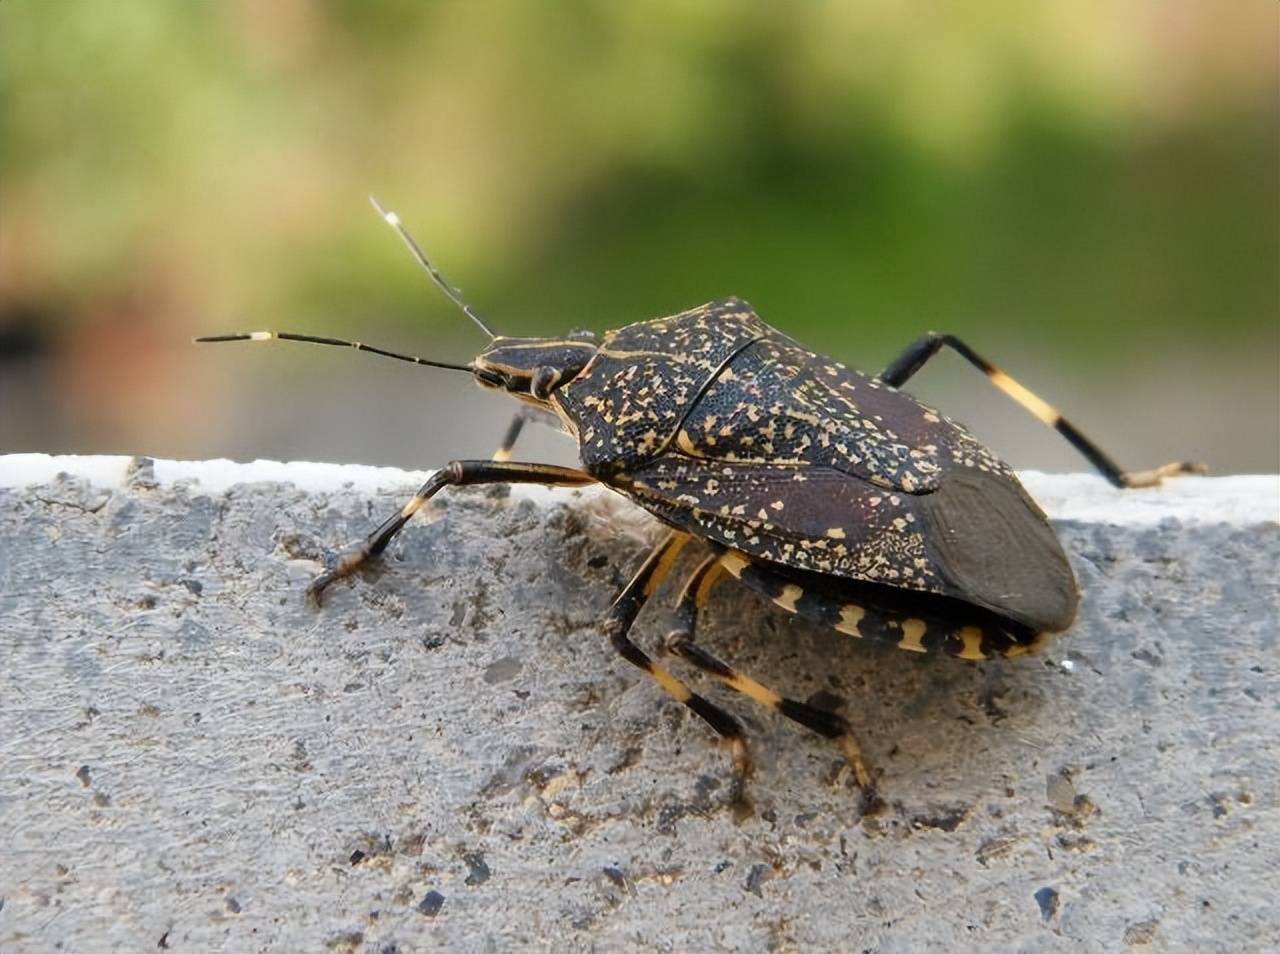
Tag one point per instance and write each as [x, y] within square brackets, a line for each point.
[831, 493]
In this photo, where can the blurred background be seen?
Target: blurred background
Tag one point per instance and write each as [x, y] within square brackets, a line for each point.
[1087, 192]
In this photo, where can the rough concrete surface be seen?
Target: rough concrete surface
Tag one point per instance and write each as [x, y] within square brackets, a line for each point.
[447, 756]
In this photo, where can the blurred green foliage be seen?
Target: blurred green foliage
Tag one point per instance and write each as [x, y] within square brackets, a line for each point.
[1079, 170]
[1098, 177]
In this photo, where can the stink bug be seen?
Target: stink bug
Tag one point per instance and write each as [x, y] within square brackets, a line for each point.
[835, 495]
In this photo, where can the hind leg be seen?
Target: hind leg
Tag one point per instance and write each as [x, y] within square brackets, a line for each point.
[622, 614]
[914, 358]
[697, 590]
[977, 636]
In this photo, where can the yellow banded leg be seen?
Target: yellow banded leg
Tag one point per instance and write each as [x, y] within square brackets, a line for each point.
[693, 598]
[617, 624]
[503, 452]
[458, 473]
[914, 358]
[696, 592]
[827, 724]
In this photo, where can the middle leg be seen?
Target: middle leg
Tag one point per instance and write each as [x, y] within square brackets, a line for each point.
[622, 614]
[514, 429]
[522, 417]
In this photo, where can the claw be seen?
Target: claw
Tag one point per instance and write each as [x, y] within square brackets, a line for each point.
[853, 755]
[315, 589]
[742, 763]
[743, 769]
[1153, 477]
[870, 803]
[347, 562]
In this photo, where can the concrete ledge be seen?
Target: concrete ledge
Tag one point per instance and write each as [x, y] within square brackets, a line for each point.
[446, 756]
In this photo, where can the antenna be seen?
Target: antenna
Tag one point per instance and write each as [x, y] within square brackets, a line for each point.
[336, 342]
[393, 220]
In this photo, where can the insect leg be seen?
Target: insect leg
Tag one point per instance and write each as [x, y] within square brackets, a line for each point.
[913, 359]
[693, 597]
[521, 418]
[695, 593]
[618, 623]
[458, 473]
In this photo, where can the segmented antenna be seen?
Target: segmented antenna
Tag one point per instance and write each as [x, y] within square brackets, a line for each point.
[336, 342]
[394, 221]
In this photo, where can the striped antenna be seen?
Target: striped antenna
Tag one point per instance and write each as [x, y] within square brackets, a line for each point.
[335, 342]
[393, 220]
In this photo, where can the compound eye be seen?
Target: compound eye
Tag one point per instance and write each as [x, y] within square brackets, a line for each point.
[544, 379]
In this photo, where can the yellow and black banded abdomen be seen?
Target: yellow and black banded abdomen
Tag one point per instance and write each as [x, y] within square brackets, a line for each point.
[917, 622]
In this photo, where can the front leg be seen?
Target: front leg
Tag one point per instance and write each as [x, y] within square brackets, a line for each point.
[458, 473]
